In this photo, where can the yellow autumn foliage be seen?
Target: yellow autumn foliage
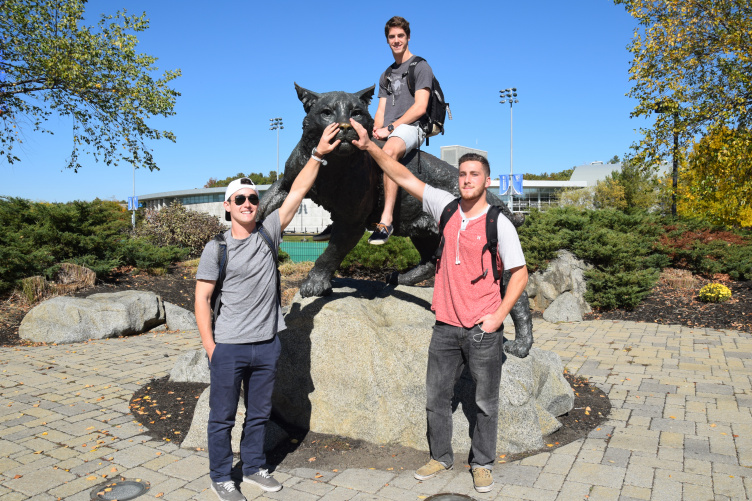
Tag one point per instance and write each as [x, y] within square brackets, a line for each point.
[717, 181]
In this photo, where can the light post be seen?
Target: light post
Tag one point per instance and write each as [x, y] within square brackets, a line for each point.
[276, 124]
[511, 96]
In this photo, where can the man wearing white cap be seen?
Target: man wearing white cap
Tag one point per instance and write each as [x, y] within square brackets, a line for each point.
[243, 347]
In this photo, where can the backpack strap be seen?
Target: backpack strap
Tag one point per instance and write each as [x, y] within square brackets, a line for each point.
[446, 215]
[492, 238]
[268, 240]
[411, 87]
[411, 74]
[216, 299]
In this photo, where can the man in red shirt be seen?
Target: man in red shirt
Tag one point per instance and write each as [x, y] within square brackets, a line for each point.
[469, 309]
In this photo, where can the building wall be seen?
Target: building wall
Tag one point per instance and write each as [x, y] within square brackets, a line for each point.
[310, 218]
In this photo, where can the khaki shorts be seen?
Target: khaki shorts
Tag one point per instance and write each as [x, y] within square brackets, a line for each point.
[412, 135]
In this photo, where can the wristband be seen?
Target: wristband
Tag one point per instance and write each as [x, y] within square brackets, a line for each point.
[314, 156]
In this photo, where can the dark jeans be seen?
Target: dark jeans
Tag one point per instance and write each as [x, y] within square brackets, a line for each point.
[255, 366]
[450, 350]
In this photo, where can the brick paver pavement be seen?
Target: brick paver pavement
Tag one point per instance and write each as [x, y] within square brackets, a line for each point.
[680, 427]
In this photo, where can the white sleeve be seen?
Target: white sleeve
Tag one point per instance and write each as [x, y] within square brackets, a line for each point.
[510, 250]
[434, 201]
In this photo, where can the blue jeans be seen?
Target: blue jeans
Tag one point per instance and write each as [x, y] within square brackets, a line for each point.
[450, 350]
[255, 366]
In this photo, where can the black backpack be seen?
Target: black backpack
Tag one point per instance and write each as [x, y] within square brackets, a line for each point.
[216, 298]
[492, 233]
[432, 122]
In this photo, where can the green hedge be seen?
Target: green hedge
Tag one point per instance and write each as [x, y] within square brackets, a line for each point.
[620, 247]
[36, 237]
[397, 253]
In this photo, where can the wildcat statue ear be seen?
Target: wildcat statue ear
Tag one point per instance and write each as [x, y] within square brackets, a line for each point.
[366, 95]
[307, 97]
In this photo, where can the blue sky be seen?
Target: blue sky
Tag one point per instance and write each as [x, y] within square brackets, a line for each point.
[239, 60]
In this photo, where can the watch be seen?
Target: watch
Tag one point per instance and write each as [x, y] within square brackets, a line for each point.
[314, 155]
[390, 128]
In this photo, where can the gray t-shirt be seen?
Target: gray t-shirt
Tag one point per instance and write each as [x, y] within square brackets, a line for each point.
[510, 250]
[400, 100]
[250, 310]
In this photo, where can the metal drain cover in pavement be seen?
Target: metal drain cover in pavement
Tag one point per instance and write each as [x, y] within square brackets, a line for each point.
[120, 489]
[449, 497]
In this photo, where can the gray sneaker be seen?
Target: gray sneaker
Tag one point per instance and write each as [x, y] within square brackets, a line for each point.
[226, 491]
[263, 480]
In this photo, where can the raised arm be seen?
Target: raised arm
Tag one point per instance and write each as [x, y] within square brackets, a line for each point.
[307, 176]
[395, 170]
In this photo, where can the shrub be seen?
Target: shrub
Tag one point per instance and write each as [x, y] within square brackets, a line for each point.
[142, 254]
[176, 225]
[707, 249]
[619, 246]
[715, 293]
[397, 253]
[36, 237]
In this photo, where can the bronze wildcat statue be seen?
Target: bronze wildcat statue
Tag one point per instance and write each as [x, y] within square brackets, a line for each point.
[350, 188]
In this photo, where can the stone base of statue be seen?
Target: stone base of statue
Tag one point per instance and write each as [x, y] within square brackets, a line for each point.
[354, 364]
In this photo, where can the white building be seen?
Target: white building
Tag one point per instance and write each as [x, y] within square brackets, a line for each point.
[310, 217]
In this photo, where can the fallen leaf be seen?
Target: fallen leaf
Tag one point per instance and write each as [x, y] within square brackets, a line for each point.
[18, 476]
[311, 459]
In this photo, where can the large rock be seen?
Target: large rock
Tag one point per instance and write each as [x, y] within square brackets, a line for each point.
[191, 367]
[353, 364]
[66, 319]
[179, 319]
[197, 437]
[565, 274]
[565, 308]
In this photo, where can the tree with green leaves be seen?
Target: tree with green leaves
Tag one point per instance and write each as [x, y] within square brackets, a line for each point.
[52, 63]
[256, 177]
[564, 175]
[692, 66]
[628, 189]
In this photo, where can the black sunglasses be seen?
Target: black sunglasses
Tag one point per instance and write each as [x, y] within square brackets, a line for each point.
[240, 199]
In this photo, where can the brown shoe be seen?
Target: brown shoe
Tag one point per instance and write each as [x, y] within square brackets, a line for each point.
[482, 479]
[430, 470]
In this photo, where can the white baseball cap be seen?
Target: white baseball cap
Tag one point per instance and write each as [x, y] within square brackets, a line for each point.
[236, 186]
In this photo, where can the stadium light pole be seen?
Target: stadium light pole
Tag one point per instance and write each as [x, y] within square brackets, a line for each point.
[510, 95]
[276, 124]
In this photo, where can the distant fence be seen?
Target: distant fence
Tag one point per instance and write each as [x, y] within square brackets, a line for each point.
[303, 251]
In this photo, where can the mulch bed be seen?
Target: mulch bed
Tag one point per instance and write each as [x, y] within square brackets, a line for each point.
[165, 409]
[682, 306]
